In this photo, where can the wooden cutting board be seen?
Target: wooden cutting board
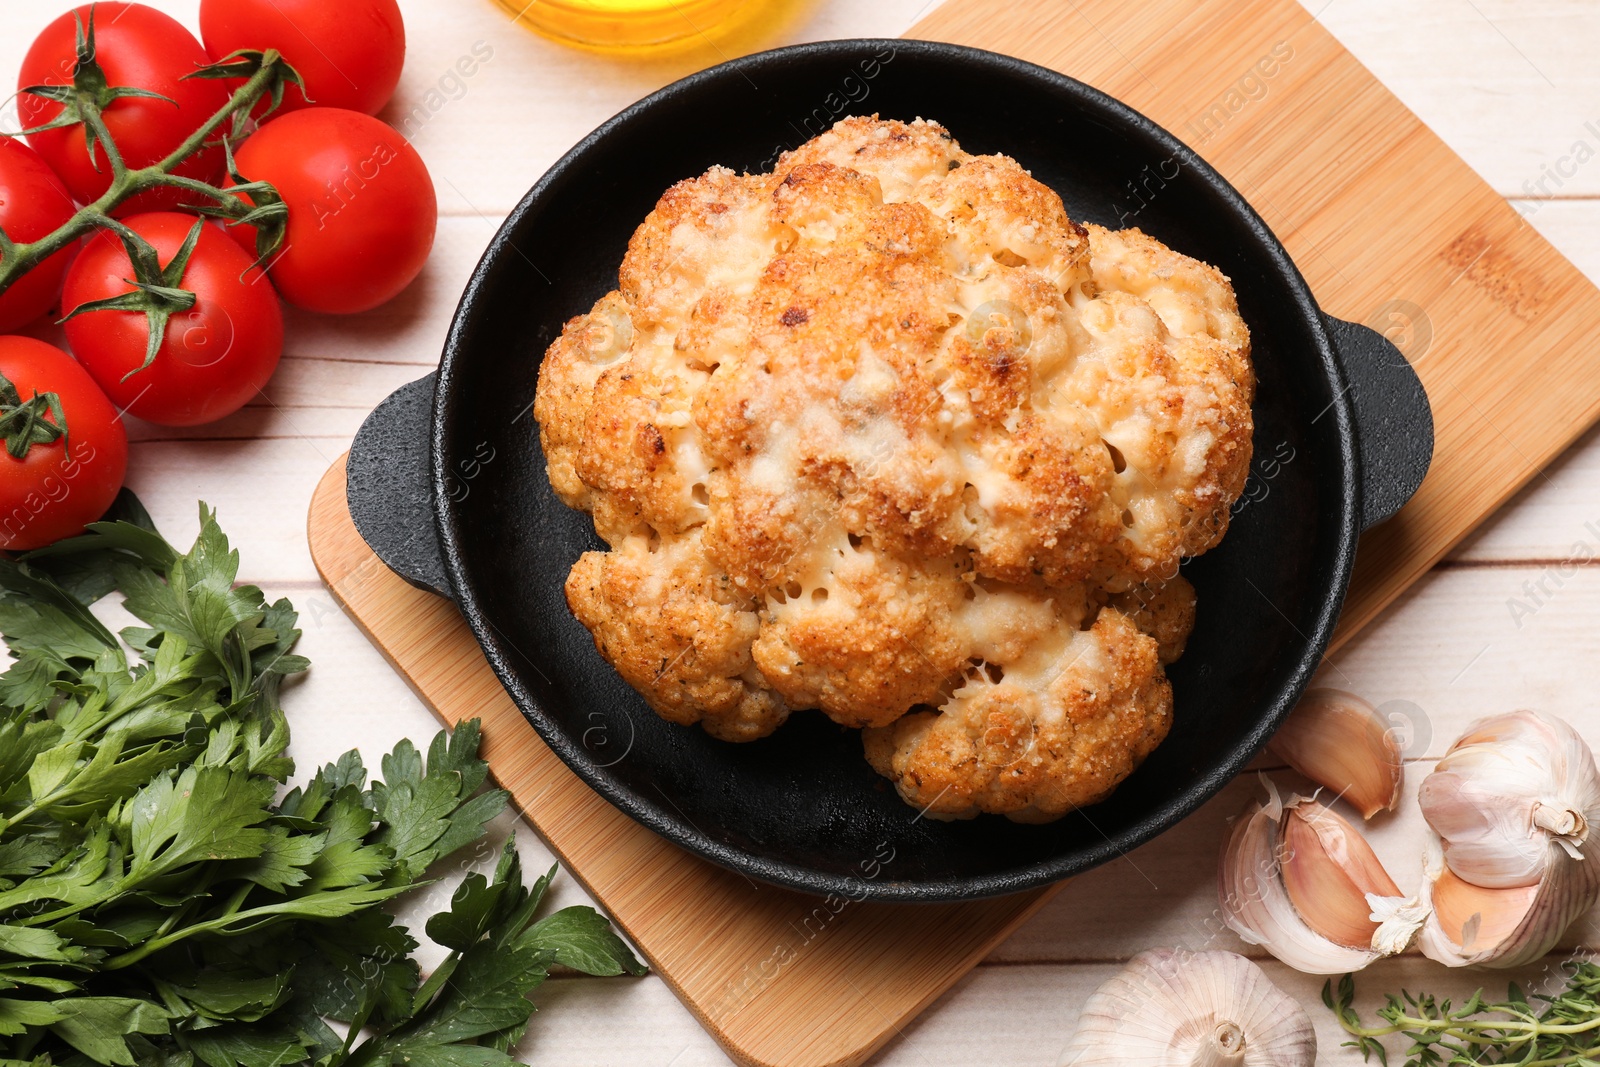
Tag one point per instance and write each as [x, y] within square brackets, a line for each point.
[1390, 228]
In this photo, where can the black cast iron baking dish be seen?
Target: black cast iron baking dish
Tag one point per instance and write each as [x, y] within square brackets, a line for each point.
[1343, 438]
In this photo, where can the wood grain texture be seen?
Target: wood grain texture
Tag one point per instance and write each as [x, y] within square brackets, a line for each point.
[1374, 208]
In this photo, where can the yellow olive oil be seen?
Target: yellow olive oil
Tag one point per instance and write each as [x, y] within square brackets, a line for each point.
[632, 26]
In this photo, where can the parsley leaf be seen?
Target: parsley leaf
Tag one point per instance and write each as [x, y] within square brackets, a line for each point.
[431, 814]
[161, 905]
[477, 999]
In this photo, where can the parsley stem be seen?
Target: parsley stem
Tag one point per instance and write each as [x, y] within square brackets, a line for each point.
[21, 817]
[234, 922]
[237, 899]
[49, 917]
[179, 915]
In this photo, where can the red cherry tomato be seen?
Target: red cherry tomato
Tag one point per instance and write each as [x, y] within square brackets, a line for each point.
[214, 357]
[348, 54]
[137, 47]
[362, 211]
[57, 487]
[33, 203]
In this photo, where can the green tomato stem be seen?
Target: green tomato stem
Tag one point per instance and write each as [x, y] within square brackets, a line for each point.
[95, 119]
[17, 259]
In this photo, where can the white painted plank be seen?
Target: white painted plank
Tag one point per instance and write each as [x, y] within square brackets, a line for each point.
[1020, 1016]
[409, 330]
[264, 421]
[261, 490]
[309, 383]
[1462, 644]
[1511, 86]
[533, 99]
[1573, 226]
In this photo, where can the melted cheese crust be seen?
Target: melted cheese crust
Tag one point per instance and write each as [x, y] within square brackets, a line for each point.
[885, 432]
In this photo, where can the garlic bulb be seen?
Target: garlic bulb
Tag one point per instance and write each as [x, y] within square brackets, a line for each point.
[1301, 882]
[1514, 796]
[1171, 1008]
[1512, 803]
[1337, 740]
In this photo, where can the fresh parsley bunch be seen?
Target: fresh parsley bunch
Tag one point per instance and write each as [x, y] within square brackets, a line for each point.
[160, 905]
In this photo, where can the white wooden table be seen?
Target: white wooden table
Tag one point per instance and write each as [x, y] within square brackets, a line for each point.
[1511, 84]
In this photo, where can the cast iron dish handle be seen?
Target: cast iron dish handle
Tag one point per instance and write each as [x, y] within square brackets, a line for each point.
[1394, 422]
[391, 491]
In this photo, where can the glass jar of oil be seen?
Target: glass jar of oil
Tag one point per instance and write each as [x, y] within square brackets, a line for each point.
[630, 25]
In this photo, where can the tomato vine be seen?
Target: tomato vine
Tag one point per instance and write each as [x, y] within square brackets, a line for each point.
[84, 101]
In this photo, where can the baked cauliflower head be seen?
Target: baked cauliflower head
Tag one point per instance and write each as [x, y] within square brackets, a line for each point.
[886, 434]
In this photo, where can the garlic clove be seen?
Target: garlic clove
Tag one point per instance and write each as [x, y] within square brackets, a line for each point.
[1338, 740]
[1172, 1008]
[1470, 925]
[1328, 872]
[1306, 886]
[1511, 867]
[1513, 798]
[1474, 917]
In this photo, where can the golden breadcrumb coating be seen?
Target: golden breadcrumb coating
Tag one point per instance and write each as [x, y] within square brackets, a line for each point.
[673, 627]
[1164, 610]
[1057, 730]
[885, 433]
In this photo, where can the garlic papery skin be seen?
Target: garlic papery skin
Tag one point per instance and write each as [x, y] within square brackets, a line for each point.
[1469, 925]
[1512, 866]
[1513, 799]
[1303, 901]
[1172, 1008]
[1338, 740]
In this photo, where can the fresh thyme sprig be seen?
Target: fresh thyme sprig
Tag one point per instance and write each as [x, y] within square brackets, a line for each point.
[1545, 1031]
